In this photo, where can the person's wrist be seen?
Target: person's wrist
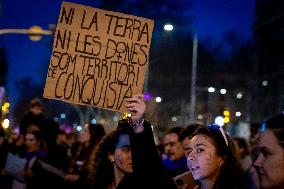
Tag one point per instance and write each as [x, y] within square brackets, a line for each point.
[137, 125]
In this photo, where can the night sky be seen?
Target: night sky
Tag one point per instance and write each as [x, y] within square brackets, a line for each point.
[30, 59]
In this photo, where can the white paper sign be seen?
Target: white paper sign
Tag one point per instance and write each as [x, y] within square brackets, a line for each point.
[15, 166]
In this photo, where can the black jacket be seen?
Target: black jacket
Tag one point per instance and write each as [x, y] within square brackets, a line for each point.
[148, 169]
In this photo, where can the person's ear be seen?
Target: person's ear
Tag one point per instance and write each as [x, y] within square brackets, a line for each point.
[111, 157]
[221, 161]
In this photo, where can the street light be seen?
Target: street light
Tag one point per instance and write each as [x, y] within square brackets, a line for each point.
[239, 95]
[223, 91]
[34, 32]
[158, 99]
[264, 83]
[193, 78]
[168, 27]
[211, 89]
[200, 116]
[219, 120]
[6, 123]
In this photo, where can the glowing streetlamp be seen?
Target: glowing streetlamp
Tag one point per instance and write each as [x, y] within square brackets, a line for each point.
[158, 99]
[239, 95]
[211, 89]
[168, 27]
[35, 32]
[219, 120]
[223, 91]
[6, 123]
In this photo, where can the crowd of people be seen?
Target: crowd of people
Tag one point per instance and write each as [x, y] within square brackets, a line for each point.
[129, 158]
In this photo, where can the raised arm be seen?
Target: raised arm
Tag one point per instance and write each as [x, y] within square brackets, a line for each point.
[136, 107]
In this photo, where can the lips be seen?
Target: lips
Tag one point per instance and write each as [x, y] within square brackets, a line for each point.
[260, 171]
[194, 169]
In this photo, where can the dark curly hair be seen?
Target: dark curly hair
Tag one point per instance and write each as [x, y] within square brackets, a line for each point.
[99, 168]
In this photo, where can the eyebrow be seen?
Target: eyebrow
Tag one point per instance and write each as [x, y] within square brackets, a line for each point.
[263, 148]
[199, 144]
[125, 146]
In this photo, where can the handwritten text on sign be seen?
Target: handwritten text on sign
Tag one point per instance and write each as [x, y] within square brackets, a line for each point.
[99, 57]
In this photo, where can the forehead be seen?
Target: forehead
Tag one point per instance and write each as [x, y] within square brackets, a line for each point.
[123, 140]
[185, 143]
[201, 139]
[171, 137]
[30, 136]
[267, 139]
[85, 128]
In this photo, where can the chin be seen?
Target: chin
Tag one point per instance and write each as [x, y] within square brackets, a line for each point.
[129, 171]
[196, 177]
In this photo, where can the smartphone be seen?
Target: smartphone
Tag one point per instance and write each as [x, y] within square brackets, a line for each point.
[185, 178]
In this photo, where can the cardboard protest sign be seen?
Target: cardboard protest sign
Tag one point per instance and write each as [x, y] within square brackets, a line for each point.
[99, 57]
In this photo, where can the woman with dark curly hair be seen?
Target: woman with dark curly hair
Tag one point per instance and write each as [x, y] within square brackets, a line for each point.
[211, 160]
[90, 136]
[127, 158]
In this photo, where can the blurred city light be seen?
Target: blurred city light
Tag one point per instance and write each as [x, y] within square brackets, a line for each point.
[168, 27]
[147, 96]
[115, 118]
[94, 121]
[7, 104]
[62, 116]
[56, 119]
[226, 119]
[223, 91]
[200, 116]
[6, 123]
[174, 118]
[158, 99]
[4, 109]
[226, 113]
[211, 89]
[264, 83]
[79, 128]
[219, 120]
[238, 114]
[239, 95]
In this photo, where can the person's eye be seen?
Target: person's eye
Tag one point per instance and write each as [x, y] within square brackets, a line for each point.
[265, 153]
[187, 151]
[126, 149]
[199, 150]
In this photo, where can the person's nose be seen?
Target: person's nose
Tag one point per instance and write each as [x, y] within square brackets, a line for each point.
[258, 161]
[191, 156]
[167, 149]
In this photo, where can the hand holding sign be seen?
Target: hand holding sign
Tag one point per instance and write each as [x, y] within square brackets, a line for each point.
[99, 57]
[136, 107]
